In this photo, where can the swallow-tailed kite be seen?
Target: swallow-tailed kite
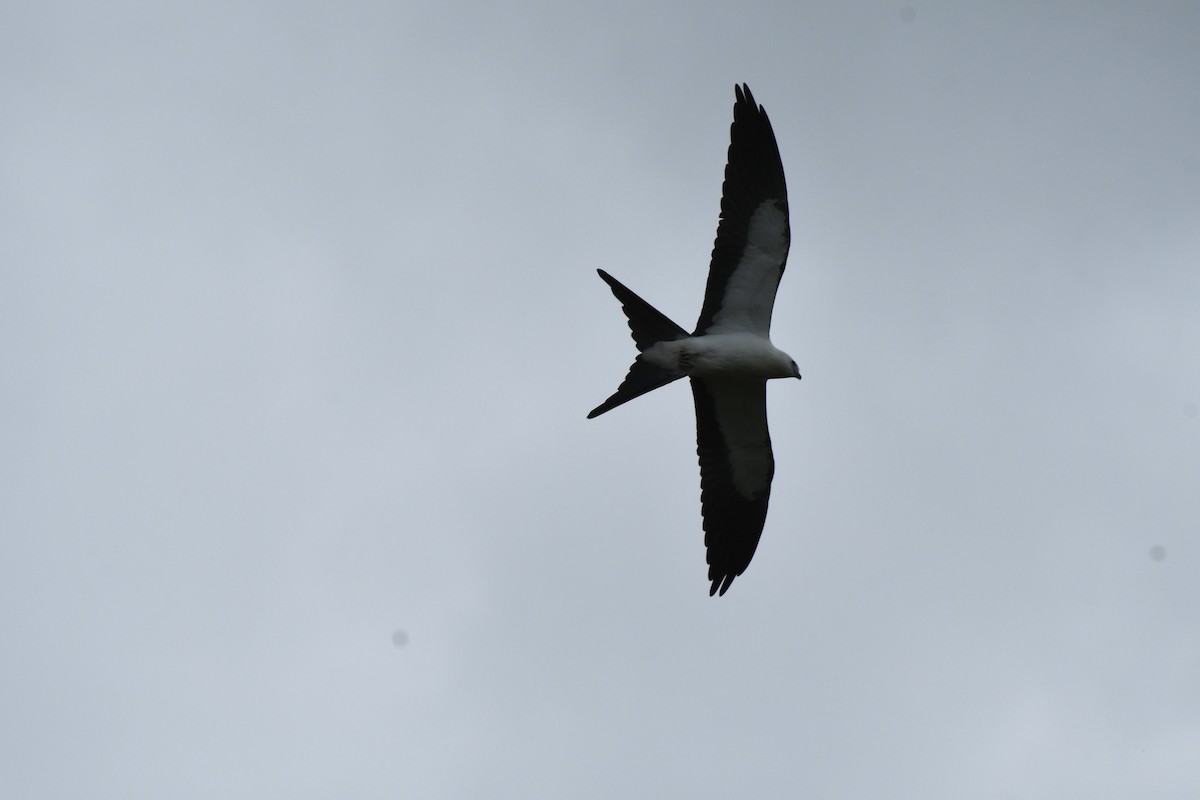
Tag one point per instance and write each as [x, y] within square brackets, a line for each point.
[729, 356]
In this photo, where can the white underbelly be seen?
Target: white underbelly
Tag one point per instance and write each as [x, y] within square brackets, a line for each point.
[730, 354]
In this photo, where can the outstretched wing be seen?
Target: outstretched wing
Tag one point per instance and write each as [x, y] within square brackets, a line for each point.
[736, 467]
[751, 249]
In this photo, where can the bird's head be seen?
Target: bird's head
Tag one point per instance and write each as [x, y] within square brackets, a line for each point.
[784, 366]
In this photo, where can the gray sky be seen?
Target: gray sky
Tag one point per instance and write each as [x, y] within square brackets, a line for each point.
[299, 324]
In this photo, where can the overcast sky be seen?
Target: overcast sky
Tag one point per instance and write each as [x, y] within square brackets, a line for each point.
[299, 326]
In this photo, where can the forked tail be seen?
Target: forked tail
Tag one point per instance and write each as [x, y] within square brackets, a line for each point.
[648, 326]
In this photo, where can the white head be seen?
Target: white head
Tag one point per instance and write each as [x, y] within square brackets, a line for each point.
[785, 366]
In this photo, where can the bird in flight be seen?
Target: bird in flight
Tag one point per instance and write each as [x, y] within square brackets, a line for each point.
[729, 357]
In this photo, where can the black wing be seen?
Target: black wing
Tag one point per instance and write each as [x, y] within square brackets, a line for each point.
[736, 467]
[753, 235]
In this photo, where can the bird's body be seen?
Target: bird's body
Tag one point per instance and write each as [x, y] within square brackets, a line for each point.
[729, 357]
[722, 355]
